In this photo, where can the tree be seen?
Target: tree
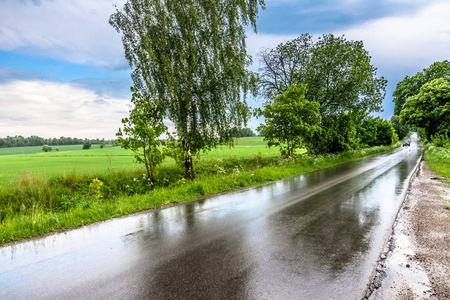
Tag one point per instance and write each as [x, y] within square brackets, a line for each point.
[141, 132]
[339, 76]
[430, 108]
[87, 144]
[410, 86]
[244, 132]
[290, 119]
[376, 132]
[46, 148]
[191, 58]
[401, 130]
[102, 145]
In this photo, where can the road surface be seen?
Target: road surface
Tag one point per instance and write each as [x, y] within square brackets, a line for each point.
[312, 236]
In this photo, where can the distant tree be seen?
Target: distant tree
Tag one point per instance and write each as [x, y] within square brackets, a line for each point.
[410, 86]
[102, 145]
[141, 132]
[57, 149]
[244, 132]
[46, 148]
[376, 132]
[401, 130]
[290, 120]
[190, 57]
[430, 108]
[87, 144]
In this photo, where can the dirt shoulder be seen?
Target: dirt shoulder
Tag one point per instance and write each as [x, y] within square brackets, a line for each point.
[417, 263]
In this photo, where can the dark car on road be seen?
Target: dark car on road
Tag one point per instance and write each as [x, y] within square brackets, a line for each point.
[406, 143]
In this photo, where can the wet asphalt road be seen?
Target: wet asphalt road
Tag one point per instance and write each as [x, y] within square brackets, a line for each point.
[313, 236]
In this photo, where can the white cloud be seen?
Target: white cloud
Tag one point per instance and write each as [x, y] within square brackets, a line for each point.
[76, 31]
[407, 43]
[50, 109]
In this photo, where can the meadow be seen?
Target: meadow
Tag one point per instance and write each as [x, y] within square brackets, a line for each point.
[69, 159]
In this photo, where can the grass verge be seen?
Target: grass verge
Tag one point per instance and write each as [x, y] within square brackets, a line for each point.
[34, 206]
[438, 160]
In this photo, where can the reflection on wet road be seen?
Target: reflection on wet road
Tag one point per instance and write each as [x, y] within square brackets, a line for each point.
[313, 236]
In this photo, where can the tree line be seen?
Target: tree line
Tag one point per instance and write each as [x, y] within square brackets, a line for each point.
[20, 141]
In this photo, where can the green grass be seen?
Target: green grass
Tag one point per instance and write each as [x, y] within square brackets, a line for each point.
[438, 160]
[34, 205]
[15, 162]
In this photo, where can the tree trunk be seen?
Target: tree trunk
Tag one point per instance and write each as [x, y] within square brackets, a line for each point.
[189, 168]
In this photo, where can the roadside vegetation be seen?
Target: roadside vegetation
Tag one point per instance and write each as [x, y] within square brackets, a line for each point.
[438, 159]
[423, 102]
[35, 205]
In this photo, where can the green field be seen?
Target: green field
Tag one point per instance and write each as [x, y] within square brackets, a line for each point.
[73, 159]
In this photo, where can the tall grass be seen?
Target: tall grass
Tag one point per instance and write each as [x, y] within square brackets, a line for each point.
[438, 160]
[33, 206]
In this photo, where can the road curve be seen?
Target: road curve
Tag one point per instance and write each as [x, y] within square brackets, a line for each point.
[312, 236]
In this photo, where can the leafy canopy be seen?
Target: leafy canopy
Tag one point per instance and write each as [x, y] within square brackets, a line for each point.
[338, 73]
[339, 76]
[410, 86]
[191, 58]
[430, 108]
[289, 119]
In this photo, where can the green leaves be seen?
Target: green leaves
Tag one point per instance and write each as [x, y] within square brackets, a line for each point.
[338, 73]
[289, 119]
[190, 57]
[410, 86]
[141, 132]
[430, 108]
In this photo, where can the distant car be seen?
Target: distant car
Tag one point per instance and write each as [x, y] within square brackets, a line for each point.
[406, 143]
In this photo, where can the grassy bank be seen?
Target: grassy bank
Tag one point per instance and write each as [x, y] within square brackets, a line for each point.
[33, 206]
[438, 160]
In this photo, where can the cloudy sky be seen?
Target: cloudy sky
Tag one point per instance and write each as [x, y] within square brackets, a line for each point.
[63, 72]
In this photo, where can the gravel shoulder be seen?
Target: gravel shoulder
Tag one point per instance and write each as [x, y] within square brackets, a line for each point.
[416, 264]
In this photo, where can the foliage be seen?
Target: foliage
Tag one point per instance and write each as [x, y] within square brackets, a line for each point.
[244, 132]
[339, 76]
[410, 86]
[290, 119]
[337, 133]
[46, 148]
[20, 141]
[190, 57]
[338, 73]
[57, 149]
[376, 132]
[95, 188]
[438, 160]
[141, 132]
[441, 140]
[102, 145]
[430, 108]
[402, 131]
[87, 144]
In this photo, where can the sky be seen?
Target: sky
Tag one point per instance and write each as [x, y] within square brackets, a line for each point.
[63, 71]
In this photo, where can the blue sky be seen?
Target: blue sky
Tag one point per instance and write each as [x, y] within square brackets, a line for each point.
[63, 72]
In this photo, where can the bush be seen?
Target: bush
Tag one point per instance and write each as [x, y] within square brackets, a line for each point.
[47, 148]
[87, 144]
